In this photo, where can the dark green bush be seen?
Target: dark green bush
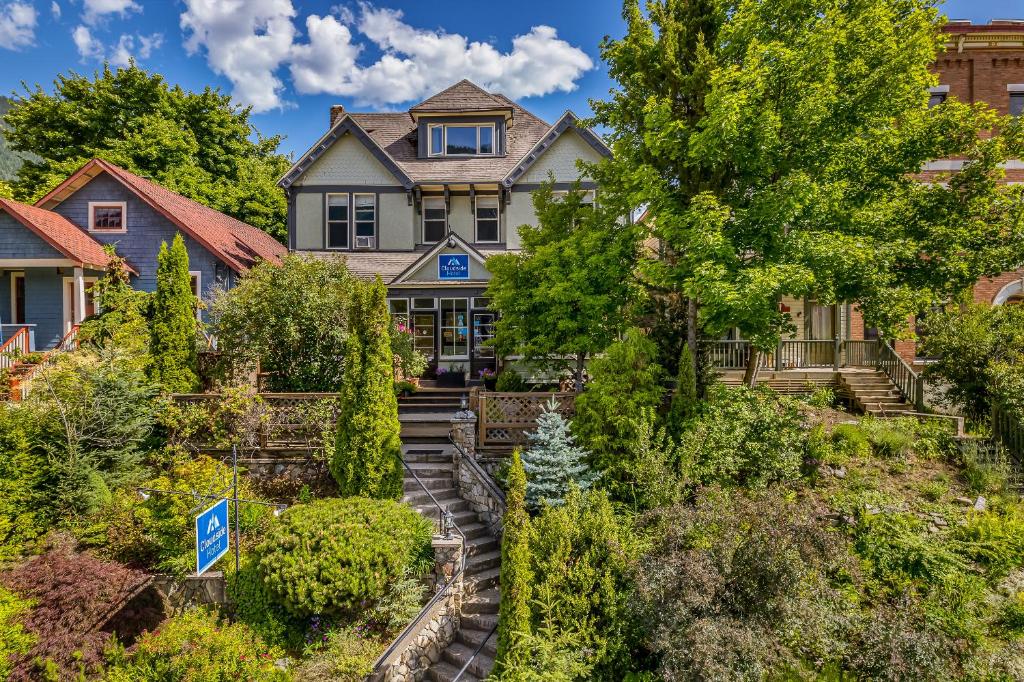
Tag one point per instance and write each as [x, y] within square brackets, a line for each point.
[510, 381]
[196, 646]
[23, 512]
[850, 440]
[329, 556]
[744, 436]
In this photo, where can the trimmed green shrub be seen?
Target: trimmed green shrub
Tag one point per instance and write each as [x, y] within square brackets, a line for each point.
[849, 440]
[367, 455]
[329, 556]
[510, 381]
[516, 573]
[744, 436]
[626, 382]
[197, 646]
[174, 327]
[15, 642]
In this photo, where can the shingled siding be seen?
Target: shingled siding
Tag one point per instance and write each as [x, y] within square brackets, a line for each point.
[147, 229]
[17, 241]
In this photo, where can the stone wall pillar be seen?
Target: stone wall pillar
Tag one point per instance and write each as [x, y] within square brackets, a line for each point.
[447, 561]
[464, 431]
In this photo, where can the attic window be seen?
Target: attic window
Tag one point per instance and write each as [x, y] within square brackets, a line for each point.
[460, 139]
[107, 216]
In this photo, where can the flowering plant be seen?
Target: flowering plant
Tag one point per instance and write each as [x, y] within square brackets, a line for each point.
[487, 373]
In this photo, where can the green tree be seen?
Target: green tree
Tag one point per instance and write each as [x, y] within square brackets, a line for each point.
[684, 399]
[291, 321]
[625, 383]
[565, 293]
[172, 344]
[198, 144]
[553, 462]
[122, 320]
[23, 512]
[6, 191]
[367, 459]
[775, 144]
[15, 641]
[514, 627]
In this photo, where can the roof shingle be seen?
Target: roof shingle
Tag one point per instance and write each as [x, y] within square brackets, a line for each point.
[58, 232]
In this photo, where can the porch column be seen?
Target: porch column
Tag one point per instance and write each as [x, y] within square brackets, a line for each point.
[78, 309]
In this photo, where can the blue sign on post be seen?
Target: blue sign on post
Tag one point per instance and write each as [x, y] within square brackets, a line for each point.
[212, 536]
[453, 266]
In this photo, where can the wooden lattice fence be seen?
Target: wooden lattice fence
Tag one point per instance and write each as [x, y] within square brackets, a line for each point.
[506, 418]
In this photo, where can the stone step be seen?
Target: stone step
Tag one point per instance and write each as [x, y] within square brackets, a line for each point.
[480, 621]
[483, 602]
[483, 580]
[429, 509]
[443, 671]
[430, 470]
[477, 563]
[431, 483]
[473, 530]
[472, 638]
[443, 496]
[482, 545]
[465, 518]
[458, 654]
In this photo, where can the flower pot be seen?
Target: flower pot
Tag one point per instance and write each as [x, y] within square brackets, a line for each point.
[491, 383]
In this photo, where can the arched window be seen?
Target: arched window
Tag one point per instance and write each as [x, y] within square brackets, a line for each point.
[1011, 294]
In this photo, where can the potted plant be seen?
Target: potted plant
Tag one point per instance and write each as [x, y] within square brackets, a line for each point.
[489, 377]
[454, 377]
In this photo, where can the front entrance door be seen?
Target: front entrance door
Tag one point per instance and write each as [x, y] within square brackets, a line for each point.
[483, 355]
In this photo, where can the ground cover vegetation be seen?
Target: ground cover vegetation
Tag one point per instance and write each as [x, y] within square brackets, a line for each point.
[100, 424]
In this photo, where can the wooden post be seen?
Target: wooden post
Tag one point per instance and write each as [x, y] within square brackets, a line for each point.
[836, 352]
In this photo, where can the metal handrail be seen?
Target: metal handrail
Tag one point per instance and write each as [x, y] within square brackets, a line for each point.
[479, 648]
[443, 512]
[484, 477]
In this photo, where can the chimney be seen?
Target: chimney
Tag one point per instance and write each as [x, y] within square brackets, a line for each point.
[337, 111]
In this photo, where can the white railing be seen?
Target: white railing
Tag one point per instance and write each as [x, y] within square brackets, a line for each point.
[21, 386]
[16, 345]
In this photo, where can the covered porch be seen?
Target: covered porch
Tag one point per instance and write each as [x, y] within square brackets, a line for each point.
[40, 305]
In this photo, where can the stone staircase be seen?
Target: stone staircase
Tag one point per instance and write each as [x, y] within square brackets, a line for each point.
[426, 421]
[872, 392]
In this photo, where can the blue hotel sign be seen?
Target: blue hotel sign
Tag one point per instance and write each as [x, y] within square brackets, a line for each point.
[452, 266]
[212, 536]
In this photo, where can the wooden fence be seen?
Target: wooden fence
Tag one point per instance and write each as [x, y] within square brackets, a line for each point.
[506, 418]
[263, 420]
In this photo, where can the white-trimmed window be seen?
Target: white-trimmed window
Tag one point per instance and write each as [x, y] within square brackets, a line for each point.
[365, 209]
[337, 227]
[461, 139]
[196, 282]
[486, 213]
[454, 329]
[588, 198]
[424, 304]
[108, 216]
[399, 309]
[435, 219]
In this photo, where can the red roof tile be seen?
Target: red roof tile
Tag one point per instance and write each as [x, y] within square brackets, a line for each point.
[238, 244]
[58, 232]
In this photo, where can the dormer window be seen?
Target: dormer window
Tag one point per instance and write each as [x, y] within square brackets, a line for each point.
[107, 216]
[461, 139]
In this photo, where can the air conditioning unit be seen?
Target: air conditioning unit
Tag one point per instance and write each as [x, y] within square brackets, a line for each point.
[366, 242]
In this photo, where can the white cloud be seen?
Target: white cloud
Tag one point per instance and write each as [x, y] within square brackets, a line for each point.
[88, 47]
[127, 46]
[55, 9]
[418, 62]
[17, 25]
[248, 42]
[97, 9]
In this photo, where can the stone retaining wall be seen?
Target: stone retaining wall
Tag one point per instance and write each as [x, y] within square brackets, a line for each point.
[473, 481]
[209, 588]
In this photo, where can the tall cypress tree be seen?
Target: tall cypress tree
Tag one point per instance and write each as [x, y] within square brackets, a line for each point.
[514, 623]
[172, 344]
[684, 400]
[367, 455]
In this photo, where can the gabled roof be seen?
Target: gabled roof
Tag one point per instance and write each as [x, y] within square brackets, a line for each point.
[463, 96]
[451, 240]
[568, 121]
[239, 245]
[347, 124]
[60, 233]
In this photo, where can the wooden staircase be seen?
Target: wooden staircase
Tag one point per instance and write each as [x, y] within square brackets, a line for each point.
[873, 393]
[426, 421]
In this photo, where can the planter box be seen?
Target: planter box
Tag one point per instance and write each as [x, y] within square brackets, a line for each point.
[451, 380]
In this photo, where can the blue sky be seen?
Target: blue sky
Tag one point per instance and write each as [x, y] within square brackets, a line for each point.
[292, 59]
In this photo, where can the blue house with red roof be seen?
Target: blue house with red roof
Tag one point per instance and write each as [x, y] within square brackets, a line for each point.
[51, 253]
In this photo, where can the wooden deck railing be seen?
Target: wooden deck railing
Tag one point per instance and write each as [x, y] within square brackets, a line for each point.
[1008, 430]
[506, 418]
[909, 382]
[20, 386]
[795, 354]
[19, 343]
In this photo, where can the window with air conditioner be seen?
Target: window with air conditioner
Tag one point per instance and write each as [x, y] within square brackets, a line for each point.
[366, 220]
